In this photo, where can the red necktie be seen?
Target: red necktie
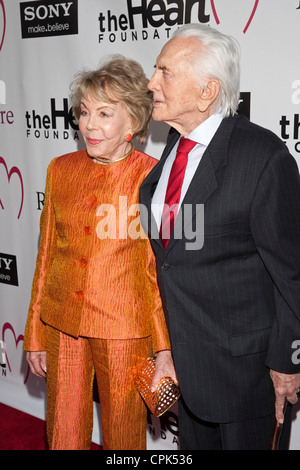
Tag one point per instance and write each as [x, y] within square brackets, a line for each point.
[174, 189]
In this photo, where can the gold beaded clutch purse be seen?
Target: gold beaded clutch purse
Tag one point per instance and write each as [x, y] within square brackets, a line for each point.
[166, 393]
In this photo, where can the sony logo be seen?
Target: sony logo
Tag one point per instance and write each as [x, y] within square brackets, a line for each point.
[8, 269]
[5, 263]
[47, 11]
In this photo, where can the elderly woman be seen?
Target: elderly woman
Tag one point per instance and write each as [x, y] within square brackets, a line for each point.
[95, 303]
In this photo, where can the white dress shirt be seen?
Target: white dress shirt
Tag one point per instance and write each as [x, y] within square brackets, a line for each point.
[202, 135]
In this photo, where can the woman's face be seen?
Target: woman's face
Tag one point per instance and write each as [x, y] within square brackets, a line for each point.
[104, 127]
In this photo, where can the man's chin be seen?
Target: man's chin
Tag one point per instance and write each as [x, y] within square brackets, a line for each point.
[157, 115]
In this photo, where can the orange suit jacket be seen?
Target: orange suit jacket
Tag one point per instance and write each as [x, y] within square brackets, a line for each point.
[95, 274]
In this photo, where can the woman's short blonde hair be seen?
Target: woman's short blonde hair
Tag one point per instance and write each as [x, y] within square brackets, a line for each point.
[117, 80]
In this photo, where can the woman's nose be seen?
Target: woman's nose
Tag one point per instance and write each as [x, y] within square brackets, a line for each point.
[92, 122]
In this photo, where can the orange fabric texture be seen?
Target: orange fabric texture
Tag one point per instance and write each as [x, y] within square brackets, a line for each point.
[69, 419]
[70, 369]
[86, 284]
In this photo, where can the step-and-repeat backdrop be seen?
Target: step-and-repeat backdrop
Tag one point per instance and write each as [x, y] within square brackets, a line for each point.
[43, 43]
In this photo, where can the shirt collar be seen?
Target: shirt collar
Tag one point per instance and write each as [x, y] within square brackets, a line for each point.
[206, 130]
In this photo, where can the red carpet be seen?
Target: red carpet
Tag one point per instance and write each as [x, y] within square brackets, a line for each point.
[21, 431]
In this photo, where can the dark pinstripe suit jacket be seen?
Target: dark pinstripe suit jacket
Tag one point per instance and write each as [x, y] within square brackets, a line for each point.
[233, 307]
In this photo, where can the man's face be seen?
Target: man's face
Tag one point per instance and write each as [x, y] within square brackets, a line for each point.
[175, 87]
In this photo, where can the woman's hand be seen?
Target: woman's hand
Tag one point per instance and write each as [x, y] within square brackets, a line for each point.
[37, 361]
[164, 367]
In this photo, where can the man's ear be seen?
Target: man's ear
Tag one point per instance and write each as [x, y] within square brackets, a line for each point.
[208, 94]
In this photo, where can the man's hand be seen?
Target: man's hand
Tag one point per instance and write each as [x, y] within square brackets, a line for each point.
[37, 362]
[164, 367]
[286, 386]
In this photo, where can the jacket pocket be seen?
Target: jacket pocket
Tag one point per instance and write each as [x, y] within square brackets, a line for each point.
[249, 343]
[218, 230]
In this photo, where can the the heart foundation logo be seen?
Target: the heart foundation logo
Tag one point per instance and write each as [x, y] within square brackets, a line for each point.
[9, 174]
[2, 11]
[8, 326]
[249, 20]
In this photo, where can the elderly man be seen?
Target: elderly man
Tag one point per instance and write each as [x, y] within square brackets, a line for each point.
[232, 301]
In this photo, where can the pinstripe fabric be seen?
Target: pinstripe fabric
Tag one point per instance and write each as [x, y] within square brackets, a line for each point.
[254, 434]
[233, 307]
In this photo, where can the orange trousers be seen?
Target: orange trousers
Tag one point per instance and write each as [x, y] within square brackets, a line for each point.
[71, 365]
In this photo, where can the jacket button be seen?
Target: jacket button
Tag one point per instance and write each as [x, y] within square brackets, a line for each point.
[165, 266]
[87, 230]
[79, 295]
[92, 200]
[83, 262]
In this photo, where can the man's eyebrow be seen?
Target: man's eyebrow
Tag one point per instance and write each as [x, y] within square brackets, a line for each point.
[161, 67]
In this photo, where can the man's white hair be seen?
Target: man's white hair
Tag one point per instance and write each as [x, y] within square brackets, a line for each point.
[219, 59]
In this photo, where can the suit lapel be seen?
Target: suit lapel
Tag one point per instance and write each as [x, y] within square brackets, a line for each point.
[202, 186]
[204, 182]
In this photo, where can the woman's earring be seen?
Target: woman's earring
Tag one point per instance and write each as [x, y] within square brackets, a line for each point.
[128, 137]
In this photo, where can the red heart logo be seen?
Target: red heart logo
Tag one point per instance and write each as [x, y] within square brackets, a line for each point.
[7, 326]
[13, 170]
[4, 23]
[248, 22]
